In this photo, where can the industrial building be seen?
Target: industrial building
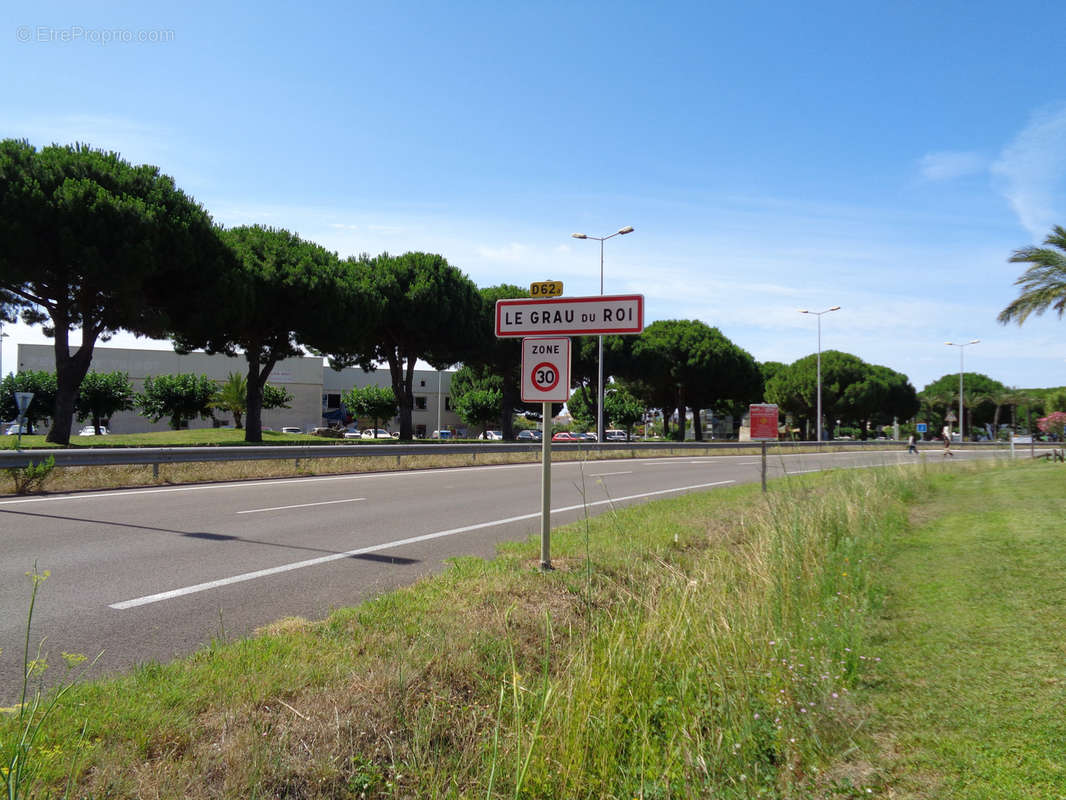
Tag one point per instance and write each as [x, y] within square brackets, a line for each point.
[316, 389]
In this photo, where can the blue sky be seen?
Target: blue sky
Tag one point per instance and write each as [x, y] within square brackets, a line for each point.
[883, 157]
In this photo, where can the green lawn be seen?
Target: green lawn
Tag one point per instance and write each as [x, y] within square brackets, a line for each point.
[972, 698]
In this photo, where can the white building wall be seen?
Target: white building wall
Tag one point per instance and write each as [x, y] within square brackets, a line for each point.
[302, 377]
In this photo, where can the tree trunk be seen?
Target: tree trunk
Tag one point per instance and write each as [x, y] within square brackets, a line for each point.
[682, 423]
[697, 426]
[70, 371]
[407, 405]
[508, 401]
[258, 372]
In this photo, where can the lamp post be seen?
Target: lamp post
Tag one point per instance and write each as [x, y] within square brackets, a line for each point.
[819, 315]
[962, 347]
[599, 389]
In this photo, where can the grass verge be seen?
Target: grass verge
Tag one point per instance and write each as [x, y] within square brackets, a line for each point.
[703, 646]
[348, 460]
[969, 703]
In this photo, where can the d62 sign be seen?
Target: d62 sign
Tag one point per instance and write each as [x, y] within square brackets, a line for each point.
[545, 370]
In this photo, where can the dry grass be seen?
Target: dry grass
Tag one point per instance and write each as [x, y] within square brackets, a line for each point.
[73, 479]
[76, 479]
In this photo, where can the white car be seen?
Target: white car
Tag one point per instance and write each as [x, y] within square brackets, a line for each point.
[492, 436]
[291, 429]
[89, 430]
[376, 433]
[355, 434]
[13, 429]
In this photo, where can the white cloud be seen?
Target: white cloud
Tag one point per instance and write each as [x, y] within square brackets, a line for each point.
[950, 165]
[513, 252]
[1032, 169]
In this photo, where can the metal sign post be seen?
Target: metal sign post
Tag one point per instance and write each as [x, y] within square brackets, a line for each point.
[546, 489]
[762, 418]
[545, 377]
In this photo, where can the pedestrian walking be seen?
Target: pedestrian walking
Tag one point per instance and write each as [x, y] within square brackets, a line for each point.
[947, 441]
[912, 444]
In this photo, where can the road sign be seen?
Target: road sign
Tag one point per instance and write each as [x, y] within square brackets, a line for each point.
[546, 289]
[545, 370]
[921, 427]
[22, 401]
[570, 316]
[763, 418]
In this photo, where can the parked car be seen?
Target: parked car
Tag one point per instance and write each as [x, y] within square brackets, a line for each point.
[492, 436]
[13, 429]
[530, 436]
[353, 434]
[441, 435]
[614, 435]
[376, 433]
[566, 436]
[291, 429]
[89, 430]
[589, 437]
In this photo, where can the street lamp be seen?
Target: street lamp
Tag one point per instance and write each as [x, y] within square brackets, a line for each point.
[962, 347]
[599, 390]
[819, 315]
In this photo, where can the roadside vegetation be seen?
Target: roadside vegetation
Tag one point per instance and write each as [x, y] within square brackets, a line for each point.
[887, 633]
[708, 644]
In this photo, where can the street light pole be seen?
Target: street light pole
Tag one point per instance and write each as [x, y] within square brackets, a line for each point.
[962, 347]
[599, 355]
[818, 314]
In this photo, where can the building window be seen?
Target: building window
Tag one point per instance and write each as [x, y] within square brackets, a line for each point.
[447, 403]
[422, 383]
[331, 401]
[420, 403]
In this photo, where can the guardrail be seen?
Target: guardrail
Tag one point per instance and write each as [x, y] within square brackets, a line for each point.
[116, 456]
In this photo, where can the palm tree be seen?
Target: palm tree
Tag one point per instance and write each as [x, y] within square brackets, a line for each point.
[233, 397]
[1044, 283]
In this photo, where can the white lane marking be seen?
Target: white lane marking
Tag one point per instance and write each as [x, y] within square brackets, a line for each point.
[302, 505]
[262, 573]
[605, 474]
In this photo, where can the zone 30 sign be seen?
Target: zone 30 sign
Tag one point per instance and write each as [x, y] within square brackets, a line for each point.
[545, 370]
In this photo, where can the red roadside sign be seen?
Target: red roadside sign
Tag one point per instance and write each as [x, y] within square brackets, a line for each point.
[763, 418]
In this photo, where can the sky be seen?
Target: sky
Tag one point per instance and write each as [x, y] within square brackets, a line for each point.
[887, 158]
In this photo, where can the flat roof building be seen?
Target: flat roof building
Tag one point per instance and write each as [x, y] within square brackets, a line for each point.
[316, 389]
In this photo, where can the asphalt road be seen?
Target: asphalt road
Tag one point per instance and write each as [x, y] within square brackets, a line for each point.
[150, 574]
